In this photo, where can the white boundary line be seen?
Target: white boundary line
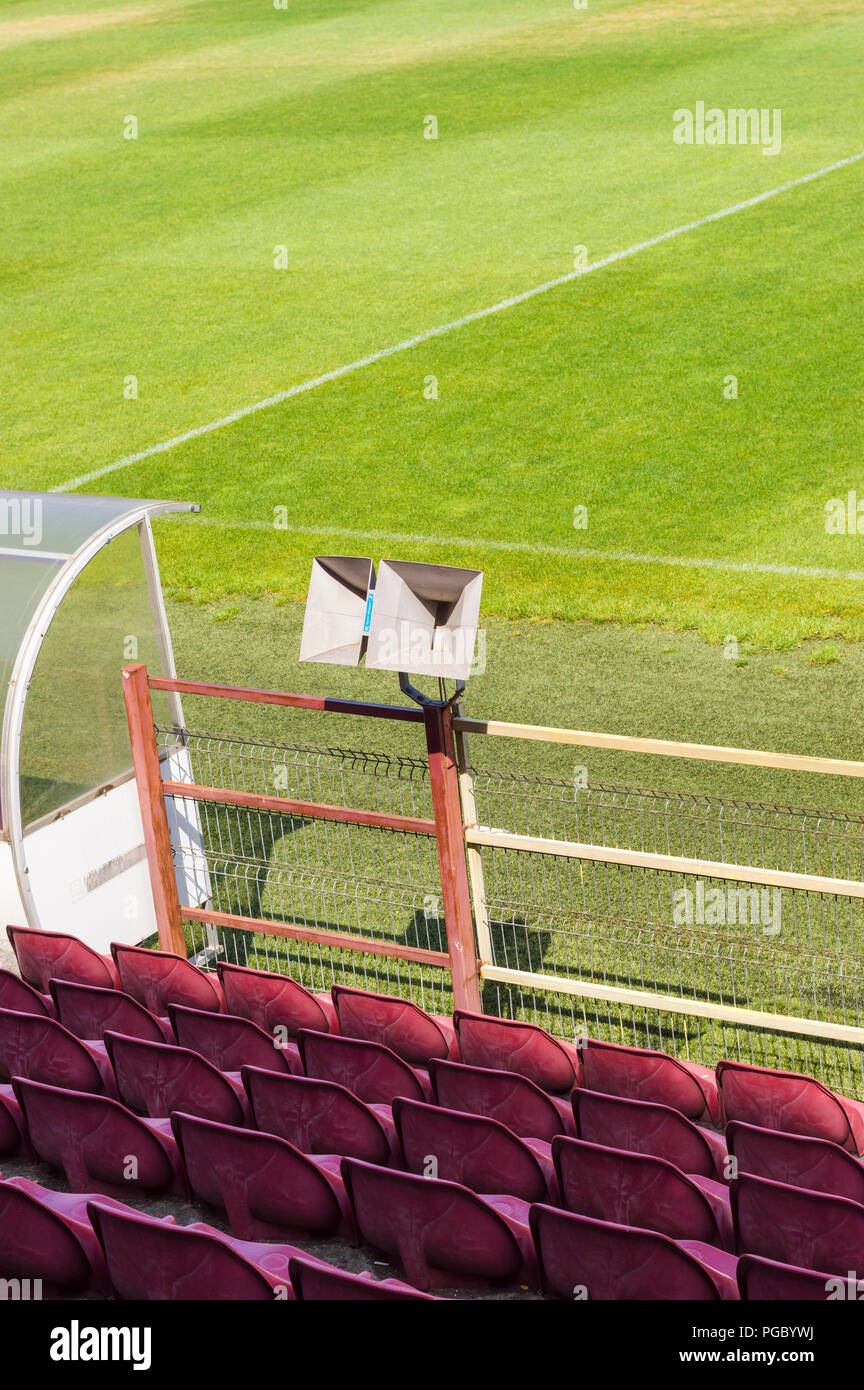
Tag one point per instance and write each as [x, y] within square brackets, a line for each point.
[627, 557]
[451, 327]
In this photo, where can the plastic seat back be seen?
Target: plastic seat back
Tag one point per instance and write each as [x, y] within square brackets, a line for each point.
[767, 1281]
[313, 1284]
[369, 1070]
[632, 1189]
[396, 1023]
[21, 998]
[518, 1103]
[155, 1079]
[266, 1186]
[795, 1159]
[89, 1012]
[92, 1139]
[642, 1127]
[814, 1230]
[43, 1050]
[152, 1259]
[581, 1257]
[319, 1117]
[46, 955]
[469, 1149]
[431, 1226]
[788, 1101]
[158, 978]
[508, 1045]
[640, 1074]
[271, 1000]
[36, 1243]
[225, 1040]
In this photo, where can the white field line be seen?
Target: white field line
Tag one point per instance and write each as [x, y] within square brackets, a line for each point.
[451, 327]
[582, 552]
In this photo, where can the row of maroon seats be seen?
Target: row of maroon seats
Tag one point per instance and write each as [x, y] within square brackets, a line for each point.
[78, 1243]
[281, 1008]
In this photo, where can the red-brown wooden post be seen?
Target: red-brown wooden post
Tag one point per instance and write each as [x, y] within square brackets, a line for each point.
[455, 893]
[151, 798]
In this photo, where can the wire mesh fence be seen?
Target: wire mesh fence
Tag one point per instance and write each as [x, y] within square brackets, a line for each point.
[780, 951]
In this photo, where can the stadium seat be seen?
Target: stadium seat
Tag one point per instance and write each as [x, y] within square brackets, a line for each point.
[505, 1044]
[407, 1030]
[811, 1229]
[158, 978]
[634, 1189]
[48, 955]
[472, 1150]
[816, 1164]
[154, 1079]
[369, 1070]
[582, 1258]
[790, 1102]
[637, 1073]
[320, 1117]
[93, 1140]
[14, 1142]
[267, 1187]
[312, 1283]
[90, 1012]
[47, 1235]
[767, 1281]
[518, 1103]
[43, 1050]
[443, 1235]
[21, 998]
[646, 1128]
[275, 1001]
[230, 1042]
[149, 1258]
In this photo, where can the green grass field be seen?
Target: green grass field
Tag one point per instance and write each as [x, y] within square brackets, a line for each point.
[303, 128]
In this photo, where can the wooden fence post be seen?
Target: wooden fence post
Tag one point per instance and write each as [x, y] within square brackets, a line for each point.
[151, 799]
[455, 892]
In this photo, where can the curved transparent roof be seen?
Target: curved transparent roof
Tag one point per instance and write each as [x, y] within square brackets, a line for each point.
[46, 540]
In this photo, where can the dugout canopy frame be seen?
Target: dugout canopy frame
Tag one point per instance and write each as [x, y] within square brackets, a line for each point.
[79, 592]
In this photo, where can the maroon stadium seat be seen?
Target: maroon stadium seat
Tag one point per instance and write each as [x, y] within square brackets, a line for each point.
[158, 978]
[443, 1235]
[48, 955]
[812, 1229]
[149, 1258]
[472, 1150]
[267, 1187]
[230, 1042]
[275, 1001]
[47, 1235]
[312, 1283]
[43, 1050]
[320, 1117]
[581, 1258]
[637, 1073]
[155, 1078]
[91, 1140]
[369, 1070]
[767, 1281]
[21, 998]
[633, 1189]
[790, 1102]
[89, 1012]
[415, 1036]
[13, 1129]
[797, 1160]
[518, 1103]
[504, 1044]
[646, 1128]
